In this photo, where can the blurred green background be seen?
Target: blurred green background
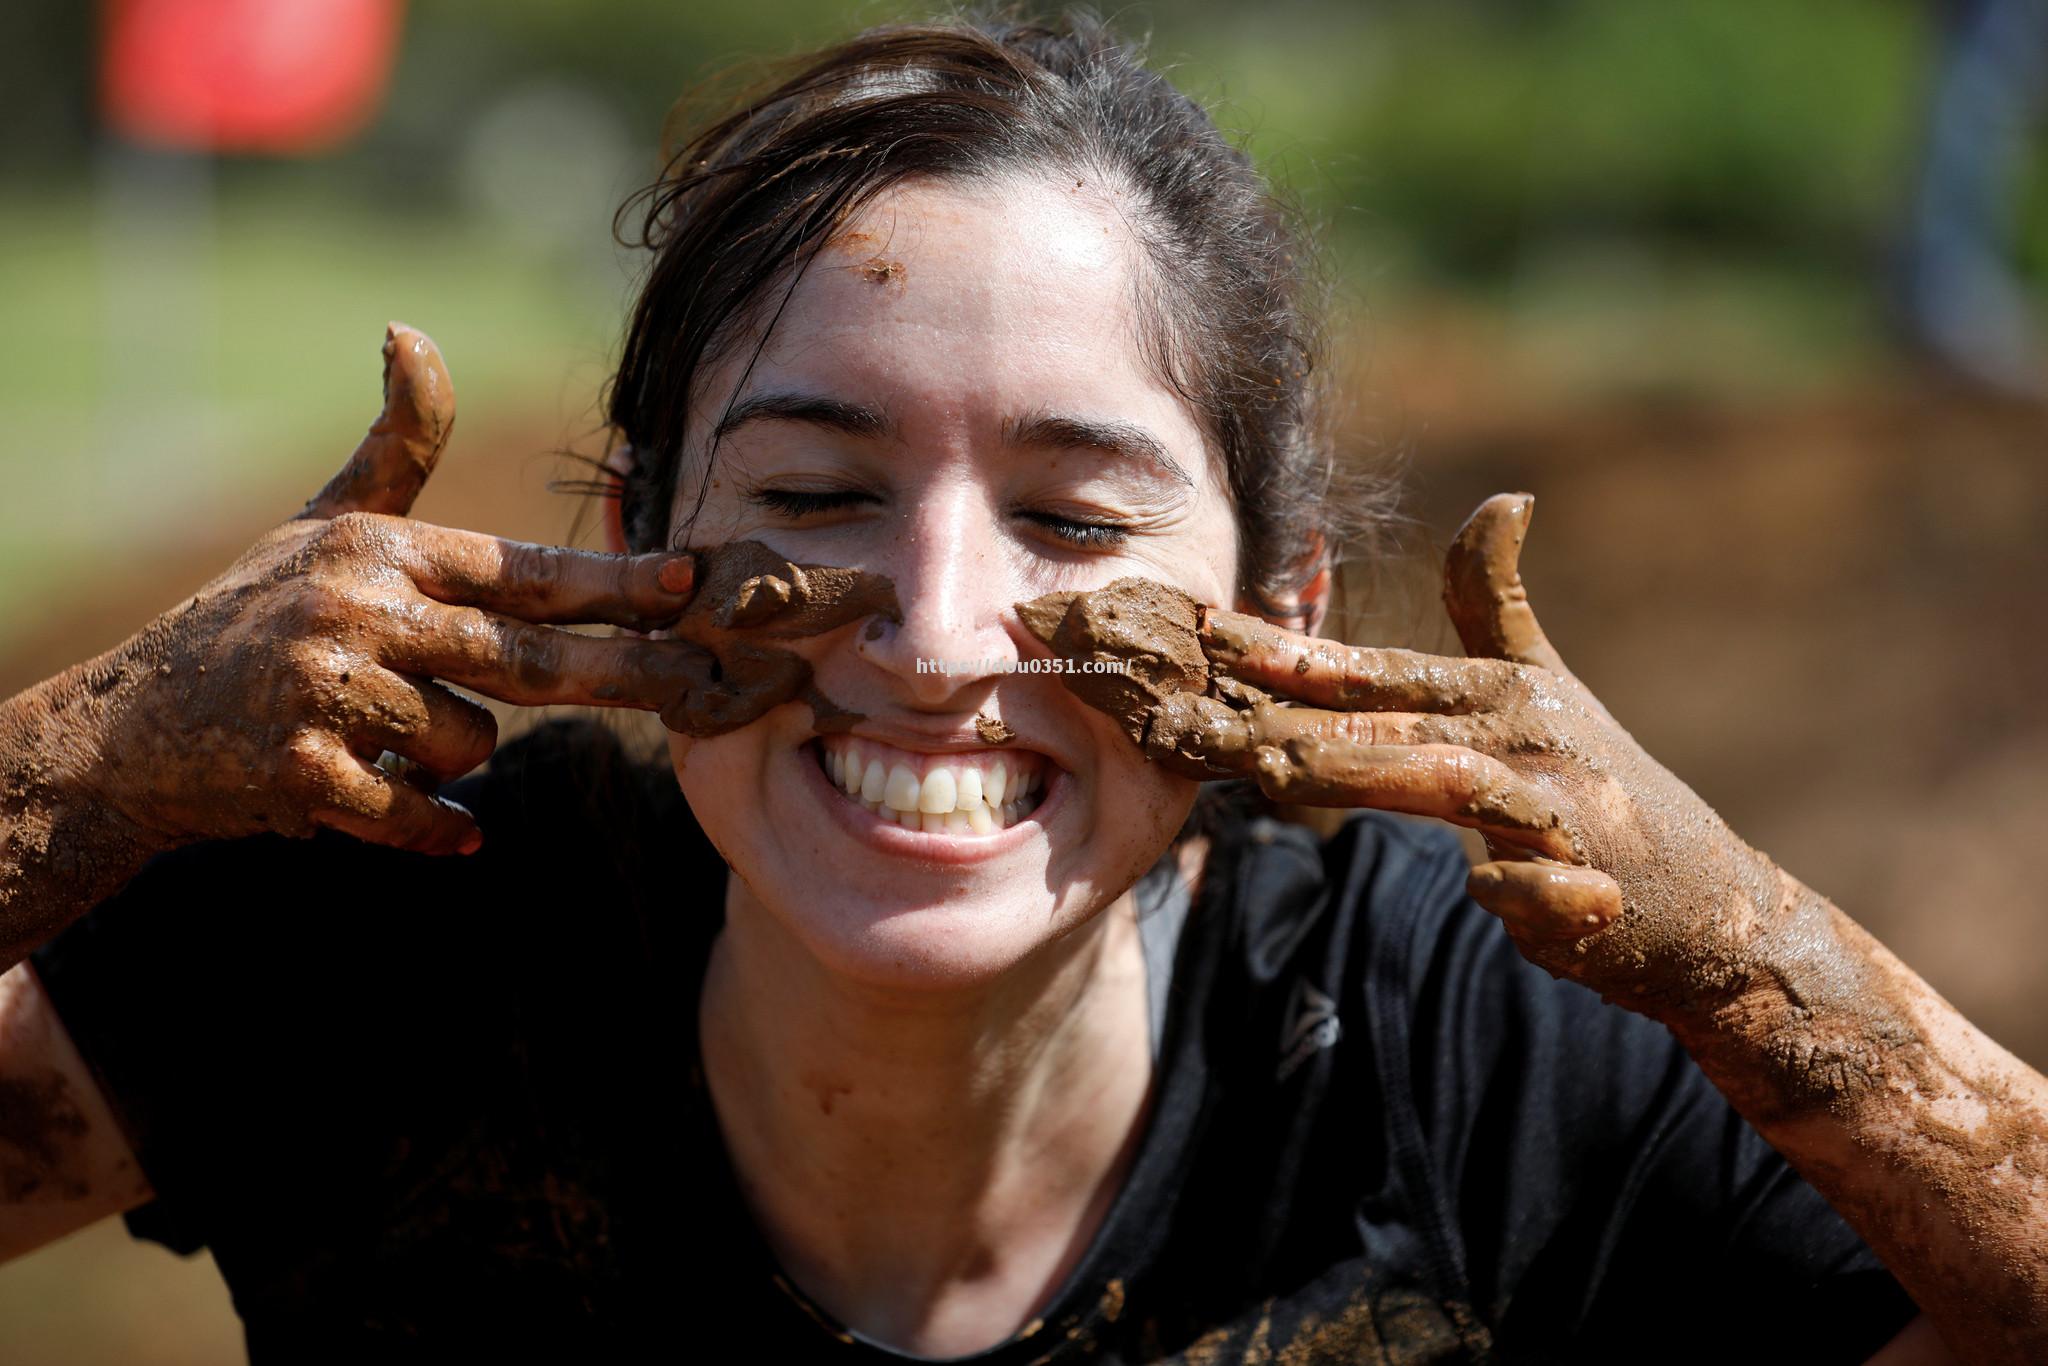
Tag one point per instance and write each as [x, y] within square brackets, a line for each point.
[1633, 257]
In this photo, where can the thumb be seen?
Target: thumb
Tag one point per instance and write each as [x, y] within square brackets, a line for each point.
[1483, 585]
[397, 454]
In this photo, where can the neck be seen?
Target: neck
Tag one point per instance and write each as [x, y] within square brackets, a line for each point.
[928, 1166]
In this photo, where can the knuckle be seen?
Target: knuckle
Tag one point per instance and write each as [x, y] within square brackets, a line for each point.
[305, 760]
[474, 641]
[319, 603]
[346, 534]
[536, 658]
[362, 536]
[316, 668]
[1528, 682]
[540, 572]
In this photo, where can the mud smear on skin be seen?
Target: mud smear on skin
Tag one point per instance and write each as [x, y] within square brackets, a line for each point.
[747, 595]
[41, 1127]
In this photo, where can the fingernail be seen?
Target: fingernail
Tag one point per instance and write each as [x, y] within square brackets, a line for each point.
[677, 575]
[471, 842]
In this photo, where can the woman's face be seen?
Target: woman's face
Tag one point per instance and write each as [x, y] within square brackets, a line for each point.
[955, 397]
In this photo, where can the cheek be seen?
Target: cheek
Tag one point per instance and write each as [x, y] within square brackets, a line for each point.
[722, 778]
[1138, 807]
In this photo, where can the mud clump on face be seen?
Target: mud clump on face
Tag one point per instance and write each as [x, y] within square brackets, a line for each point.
[1136, 643]
[992, 731]
[745, 586]
[880, 270]
[747, 594]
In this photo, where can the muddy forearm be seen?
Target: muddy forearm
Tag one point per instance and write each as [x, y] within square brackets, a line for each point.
[63, 848]
[1929, 1138]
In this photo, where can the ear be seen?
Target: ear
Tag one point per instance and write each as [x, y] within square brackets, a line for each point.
[1314, 599]
[619, 463]
[1311, 600]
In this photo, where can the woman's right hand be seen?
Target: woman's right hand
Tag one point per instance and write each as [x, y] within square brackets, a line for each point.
[264, 702]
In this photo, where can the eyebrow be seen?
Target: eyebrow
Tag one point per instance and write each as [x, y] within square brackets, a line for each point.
[1123, 440]
[837, 415]
[1051, 431]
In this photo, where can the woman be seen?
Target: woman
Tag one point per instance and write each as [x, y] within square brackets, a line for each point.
[987, 1051]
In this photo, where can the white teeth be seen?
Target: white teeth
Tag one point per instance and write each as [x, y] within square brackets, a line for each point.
[953, 798]
[901, 792]
[936, 794]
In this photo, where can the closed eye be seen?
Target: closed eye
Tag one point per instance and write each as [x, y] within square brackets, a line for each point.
[1080, 532]
[796, 503]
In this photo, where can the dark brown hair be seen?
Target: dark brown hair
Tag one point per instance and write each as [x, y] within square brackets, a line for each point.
[1229, 301]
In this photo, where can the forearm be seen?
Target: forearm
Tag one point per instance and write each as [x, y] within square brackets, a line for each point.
[1929, 1138]
[63, 847]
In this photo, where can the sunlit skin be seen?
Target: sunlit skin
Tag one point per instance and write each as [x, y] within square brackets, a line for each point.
[938, 1047]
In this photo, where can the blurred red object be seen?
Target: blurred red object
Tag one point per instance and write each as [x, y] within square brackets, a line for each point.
[275, 76]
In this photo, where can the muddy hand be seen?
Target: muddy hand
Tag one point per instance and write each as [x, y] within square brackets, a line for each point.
[1609, 870]
[265, 701]
[1605, 867]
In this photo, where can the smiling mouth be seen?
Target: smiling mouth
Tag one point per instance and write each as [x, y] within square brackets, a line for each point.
[967, 794]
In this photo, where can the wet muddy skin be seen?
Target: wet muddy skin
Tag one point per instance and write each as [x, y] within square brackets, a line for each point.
[41, 1127]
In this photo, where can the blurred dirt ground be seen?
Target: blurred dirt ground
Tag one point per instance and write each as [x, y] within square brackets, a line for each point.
[1823, 611]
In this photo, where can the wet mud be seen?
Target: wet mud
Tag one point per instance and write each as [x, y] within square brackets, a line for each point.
[1151, 630]
[748, 595]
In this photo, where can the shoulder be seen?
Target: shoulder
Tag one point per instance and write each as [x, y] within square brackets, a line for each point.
[1380, 895]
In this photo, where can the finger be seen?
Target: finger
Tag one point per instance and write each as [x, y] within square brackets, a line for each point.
[1546, 900]
[1222, 741]
[1453, 784]
[362, 800]
[545, 583]
[1483, 589]
[397, 454]
[420, 720]
[542, 666]
[1328, 674]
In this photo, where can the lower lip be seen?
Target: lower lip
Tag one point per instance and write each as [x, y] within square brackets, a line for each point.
[891, 838]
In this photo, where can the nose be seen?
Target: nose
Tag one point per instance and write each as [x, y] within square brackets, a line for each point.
[953, 584]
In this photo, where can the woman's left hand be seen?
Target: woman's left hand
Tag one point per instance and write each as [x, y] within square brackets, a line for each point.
[1605, 868]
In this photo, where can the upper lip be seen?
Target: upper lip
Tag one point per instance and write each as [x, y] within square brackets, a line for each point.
[950, 741]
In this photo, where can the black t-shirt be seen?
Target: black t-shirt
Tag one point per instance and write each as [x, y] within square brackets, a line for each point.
[425, 1106]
